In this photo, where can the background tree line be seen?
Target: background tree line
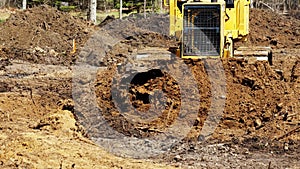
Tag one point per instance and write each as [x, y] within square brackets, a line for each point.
[84, 4]
[277, 5]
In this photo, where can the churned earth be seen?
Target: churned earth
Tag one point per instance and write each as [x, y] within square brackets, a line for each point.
[42, 128]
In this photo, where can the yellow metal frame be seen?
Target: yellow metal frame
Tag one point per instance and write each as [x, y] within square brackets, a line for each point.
[222, 11]
[166, 3]
[237, 22]
[234, 23]
[176, 19]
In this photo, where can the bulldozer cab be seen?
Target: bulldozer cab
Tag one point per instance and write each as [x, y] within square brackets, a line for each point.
[202, 34]
[209, 28]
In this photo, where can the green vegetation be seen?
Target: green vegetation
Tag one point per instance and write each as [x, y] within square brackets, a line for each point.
[67, 8]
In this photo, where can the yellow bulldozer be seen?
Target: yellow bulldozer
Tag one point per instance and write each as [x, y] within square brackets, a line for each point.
[210, 28]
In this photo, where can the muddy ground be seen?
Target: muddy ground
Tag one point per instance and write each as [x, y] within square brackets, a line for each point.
[41, 128]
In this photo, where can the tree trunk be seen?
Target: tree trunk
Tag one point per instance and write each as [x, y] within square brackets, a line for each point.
[92, 11]
[24, 3]
[285, 4]
[251, 4]
[121, 6]
[145, 2]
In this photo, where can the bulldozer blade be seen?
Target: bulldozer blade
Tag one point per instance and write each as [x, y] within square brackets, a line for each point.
[153, 53]
[254, 53]
[147, 59]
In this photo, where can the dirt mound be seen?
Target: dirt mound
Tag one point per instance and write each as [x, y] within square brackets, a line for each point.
[269, 28]
[39, 134]
[153, 22]
[135, 41]
[142, 87]
[129, 38]
[107, 20]
[43, 35]
[259, 98]
[295, 14]
[260, 101]
[266, 28]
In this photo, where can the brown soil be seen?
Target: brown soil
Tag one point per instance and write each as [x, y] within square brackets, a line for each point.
[155, 22]
[261, 101]
[269, 28]
[40, 127]
[47, 38]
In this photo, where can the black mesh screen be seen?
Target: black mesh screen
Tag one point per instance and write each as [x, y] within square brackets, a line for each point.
[201, 30]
